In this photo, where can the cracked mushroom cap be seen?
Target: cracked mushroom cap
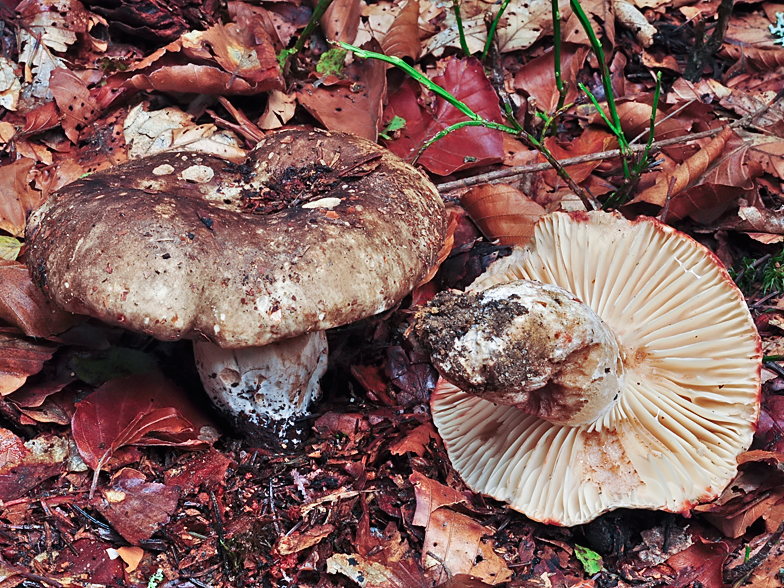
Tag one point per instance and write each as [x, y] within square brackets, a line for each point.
[315, 230]
[688, 379]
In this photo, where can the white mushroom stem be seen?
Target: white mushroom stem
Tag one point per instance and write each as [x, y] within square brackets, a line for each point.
[529, 345]
[269, 385]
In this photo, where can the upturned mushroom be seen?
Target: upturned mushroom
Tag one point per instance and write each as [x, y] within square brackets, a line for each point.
[610, 363]
[253, 262]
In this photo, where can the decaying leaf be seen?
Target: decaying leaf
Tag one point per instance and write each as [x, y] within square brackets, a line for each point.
[354, 104]
[134, 507]
[24, 465]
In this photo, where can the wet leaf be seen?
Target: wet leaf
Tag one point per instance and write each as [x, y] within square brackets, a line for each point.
[537, 77]
[24, 465]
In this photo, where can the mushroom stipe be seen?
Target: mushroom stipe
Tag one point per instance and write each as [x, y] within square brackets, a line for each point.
[315, 230]
[566, 419]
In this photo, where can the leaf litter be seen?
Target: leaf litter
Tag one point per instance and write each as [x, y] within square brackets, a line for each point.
[113, 475]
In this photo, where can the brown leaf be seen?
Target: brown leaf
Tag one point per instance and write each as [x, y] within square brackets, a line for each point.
[537, 77]
[17, 198]
[341, 20]
[430, 496]
[415, 441]
[701, 562]
[353, 107]
[298, 541]
[687, 173]
[136, 508]
[502, 212]
[25, 465]
[402, 38]
[453, 545]
[89, 558]
[77, 109]
[23, 304]
[18, 360]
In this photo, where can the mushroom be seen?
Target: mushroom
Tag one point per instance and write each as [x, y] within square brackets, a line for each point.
[253, 261]
[609, 363]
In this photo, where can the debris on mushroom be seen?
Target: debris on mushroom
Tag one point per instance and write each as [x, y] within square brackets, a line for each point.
[316, 230]
[608, 364]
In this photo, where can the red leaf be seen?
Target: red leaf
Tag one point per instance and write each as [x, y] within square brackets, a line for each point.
[130, 411]
[462, 149]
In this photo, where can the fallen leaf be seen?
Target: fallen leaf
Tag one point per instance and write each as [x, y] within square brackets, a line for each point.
[430, 496]
[462, 149]
[402, 38]
[300, 540]
[453, 545]
[23, 304]
[132, 556]
[352, 105]
[77, 108]
[144, 409]
[24, 465]
[537, 77]
[502, 212]
[18, 360]
[17, 198]
[415, 441]
[88, 558]
[134, 507]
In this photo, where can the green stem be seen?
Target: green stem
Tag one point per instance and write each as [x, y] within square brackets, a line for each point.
[493, 27]
[604, 73]
[557, 54]
[318, 12]
[465, 123]
[424, 80]
[460, 30]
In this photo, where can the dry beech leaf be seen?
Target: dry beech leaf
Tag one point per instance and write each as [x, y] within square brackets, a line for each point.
[430, 496]
[687, 173]
[415, 441]
[453, 545]
[402, 39]
[17, 198]
[341, 20]
[502, 212]
[601, 14]
[24, 305]
[19, 359]
[280, 110]
[297, 541]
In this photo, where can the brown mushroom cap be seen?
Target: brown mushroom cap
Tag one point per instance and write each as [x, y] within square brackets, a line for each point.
[169, 245]
[689, 393]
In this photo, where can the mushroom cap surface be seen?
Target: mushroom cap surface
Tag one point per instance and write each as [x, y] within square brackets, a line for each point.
[690, 396]
[173, 245]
